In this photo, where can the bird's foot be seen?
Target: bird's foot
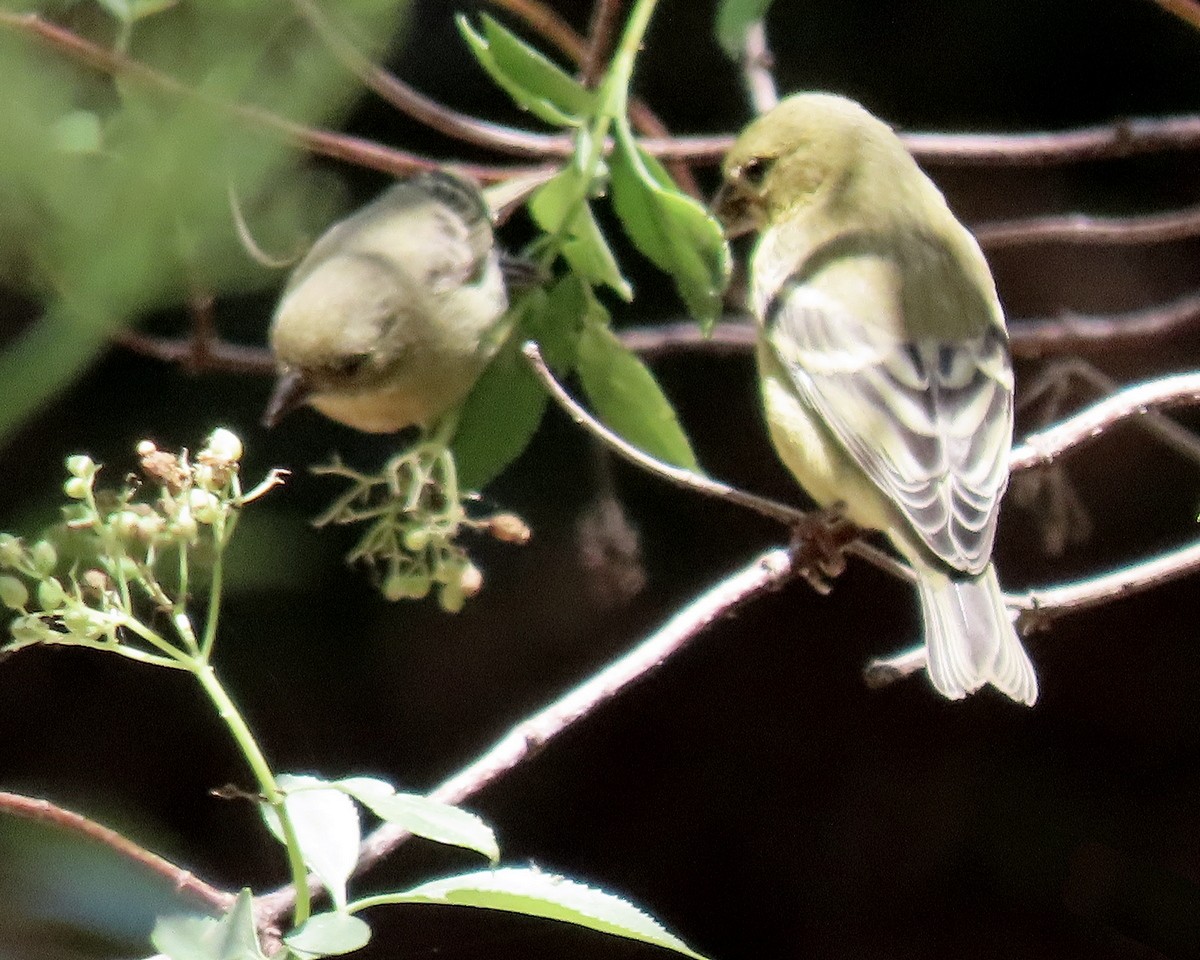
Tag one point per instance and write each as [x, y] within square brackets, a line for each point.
[818, 545]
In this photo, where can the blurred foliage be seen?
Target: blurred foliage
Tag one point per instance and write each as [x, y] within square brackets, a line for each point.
[116, 190]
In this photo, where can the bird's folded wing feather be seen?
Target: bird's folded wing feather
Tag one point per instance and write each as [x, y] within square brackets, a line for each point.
[929, 421]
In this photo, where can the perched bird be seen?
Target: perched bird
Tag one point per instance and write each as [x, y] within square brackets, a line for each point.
[884, 363]
[385, 323]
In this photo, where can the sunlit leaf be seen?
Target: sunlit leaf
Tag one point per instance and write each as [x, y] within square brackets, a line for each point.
[327, 829]
[556, 207]
[672, 229]
[627, 397]
[535, 82]
[501, 414]
[330, 934]
[538, 894]
[423, 816]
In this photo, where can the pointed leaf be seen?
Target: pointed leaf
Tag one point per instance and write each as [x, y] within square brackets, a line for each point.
[423, 816]
[557, 207]
[734, 18]
[670, 228]
[330, 934]
[628, 398]
[232, 937]
[534, 82]
[327, 828]
[539, 894]
[501, 414]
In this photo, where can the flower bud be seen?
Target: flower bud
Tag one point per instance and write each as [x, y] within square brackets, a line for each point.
[508, 528]
[416, 539]
[44, 557]
[77, 488]
[51, 594]
[205, 507]
[13, 593]
[223, 447]
[82, 466]
[412, 585]
[470, 581]
[12, 551]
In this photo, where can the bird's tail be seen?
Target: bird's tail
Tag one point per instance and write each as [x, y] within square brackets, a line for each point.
[969, 638]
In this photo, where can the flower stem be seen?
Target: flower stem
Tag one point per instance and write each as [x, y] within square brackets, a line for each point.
[228, 712]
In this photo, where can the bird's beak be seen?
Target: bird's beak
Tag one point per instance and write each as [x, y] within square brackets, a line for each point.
[291, 391]
[735, 210]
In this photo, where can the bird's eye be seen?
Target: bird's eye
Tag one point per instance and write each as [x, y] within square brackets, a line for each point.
[755, 171]
[346, 366]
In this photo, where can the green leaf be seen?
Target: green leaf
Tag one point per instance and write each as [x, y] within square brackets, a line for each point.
[628, 398]
[734, 18]
[330, 934]
[232, 937]
[556, 329]
[673, 230]
[78, 132]
[536, 83]
[501, 414]
[327, 828]
[556, 207]
[538, 894]
[423, 816]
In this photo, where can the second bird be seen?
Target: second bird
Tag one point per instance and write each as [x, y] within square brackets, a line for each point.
[884, 363]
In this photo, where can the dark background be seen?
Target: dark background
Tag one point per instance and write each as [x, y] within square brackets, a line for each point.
[753, 794]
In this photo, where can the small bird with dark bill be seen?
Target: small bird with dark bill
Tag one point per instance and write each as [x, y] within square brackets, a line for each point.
[884, 363]
[385, 323]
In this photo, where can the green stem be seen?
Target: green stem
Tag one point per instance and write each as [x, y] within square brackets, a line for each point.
[228, 712]
[220, 540]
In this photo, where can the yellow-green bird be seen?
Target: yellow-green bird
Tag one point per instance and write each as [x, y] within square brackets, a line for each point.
[884, 363]
[385, 323]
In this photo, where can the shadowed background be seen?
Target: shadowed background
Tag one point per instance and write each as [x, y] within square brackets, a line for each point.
[752, 794]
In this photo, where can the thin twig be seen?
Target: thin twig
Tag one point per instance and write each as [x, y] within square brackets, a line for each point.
[364, 153]
[1071, 332]
[1029, 337]
[1079, 229]
[528, 737]
[602, 29]
[1042, 605]
[1045, 446]
[1108, 141]
[183, 881]
[689, 480]
[1186, 10]
[219, 355]
[1045, 603]
[437, 116]
[757, 64]
[1122, 138]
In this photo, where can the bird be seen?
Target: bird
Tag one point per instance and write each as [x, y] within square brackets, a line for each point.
[385, 323]
[883, 361]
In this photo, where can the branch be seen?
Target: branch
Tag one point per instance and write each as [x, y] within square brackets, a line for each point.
[1040, 606]
[183, 881]
[1029, 338]
[1045, 446]
[601, 30]
[1069, 332]
[1122, 138]
[772, 510]
[757, 64]
[1077, 228]
[337, 146]
[1186, 10]
[528, 737]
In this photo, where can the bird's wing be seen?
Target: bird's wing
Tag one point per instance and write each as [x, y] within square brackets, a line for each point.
[928, 420]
